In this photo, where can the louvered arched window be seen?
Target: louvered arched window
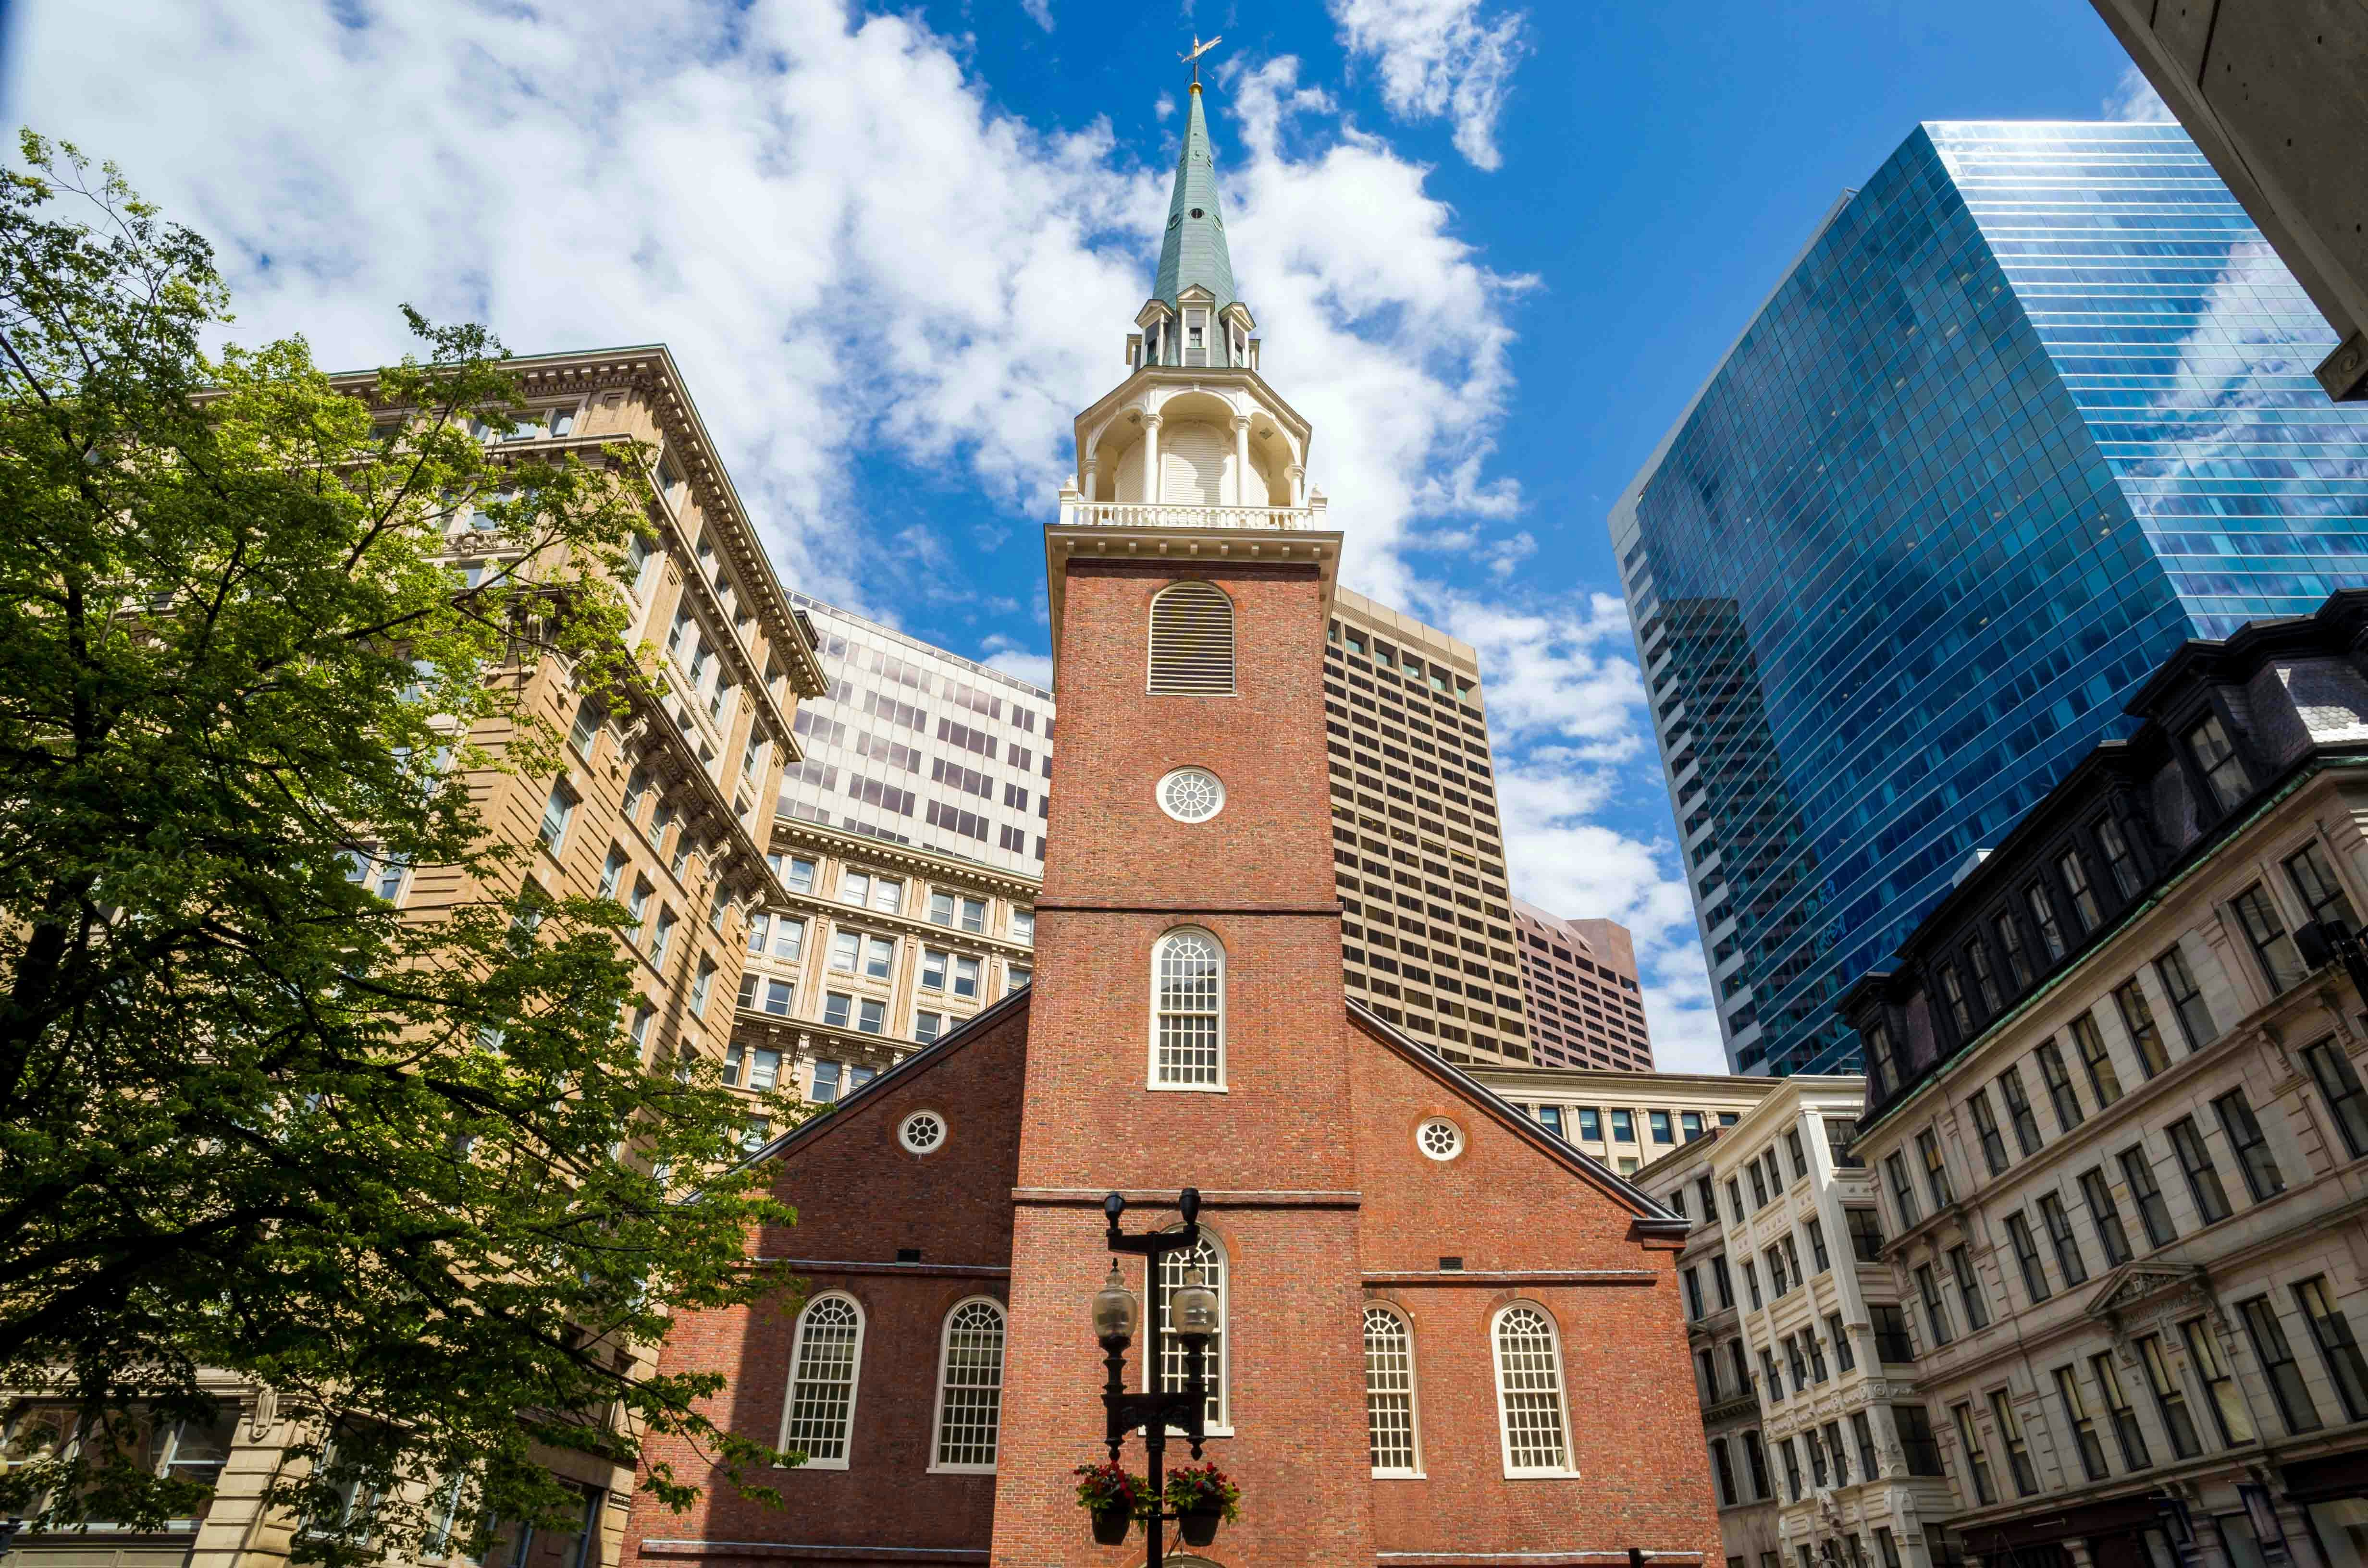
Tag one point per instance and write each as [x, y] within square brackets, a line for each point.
[970, 1388]
[1191, 641]
[824, 1364]
[1528, 1392]
[1389, 1393]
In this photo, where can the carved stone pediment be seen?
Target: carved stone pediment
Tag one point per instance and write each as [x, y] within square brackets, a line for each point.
[2131, 1287]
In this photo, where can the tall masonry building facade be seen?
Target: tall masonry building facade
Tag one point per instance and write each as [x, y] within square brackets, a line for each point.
[1416, 1282]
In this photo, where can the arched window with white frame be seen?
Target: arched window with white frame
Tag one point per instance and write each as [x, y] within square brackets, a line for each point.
[1529, 1391]
[819, 1417]
[1187, 1011]
[1209, 1256]
[1191, 641]
[970, 1388]
[1389, 1393]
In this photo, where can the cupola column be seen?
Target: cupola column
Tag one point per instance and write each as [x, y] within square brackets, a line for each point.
[1298, 485]
[1242, 460]
[1151, 459]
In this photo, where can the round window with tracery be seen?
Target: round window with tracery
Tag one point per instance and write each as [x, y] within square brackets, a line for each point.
[1440, 1138]
[924, 1133]
[1192, 794]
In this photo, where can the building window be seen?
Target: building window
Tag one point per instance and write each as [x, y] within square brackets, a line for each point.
[2127, 878]
[1986, 1124]
[928, 1028]
[2098, 1193]
[2060, 1092]
[1977, 1460]
[1590, 1124]
[2074, 871]
[798, 874]
[2278, 1365]
[2059, 1235]
[557, 813]
[2280, 964]
[2187, 1003]
[970, 1388]
[1623, 1127]
[2314, 879]
[878, 957]
[2137, 1171]
[1817, 1255]
[2331, 1068]
[1187, 1011]
[1977, 960]
[2169, 1399]
[2127, 1433]
[824, 1361]
[1792, 1466]
[699, 986]
[1969, 1289]
[1528, 1392]
[1936, 1169]
[2138, 1017]
[870, 1015]
[1845, 1357]
[1870, 1465]
[2018, 1452]
[2332, 1330]
[1389, 1393]
[2223, 770]
[2026, 1256]
[1953, 988]
[2228, 1400]
[2018, 958]
[2042, 914]
[1936, 1312]
[2083, 1425]
[1903, 1193]
[1892, 1345]
[1176, 1269]
[837, 1006]
[1865, 1233]
[2203, 1176]
[2018, 1109]
[1723, 1472]
[2262, 1178]
[1192, 642]
[2090, 1042]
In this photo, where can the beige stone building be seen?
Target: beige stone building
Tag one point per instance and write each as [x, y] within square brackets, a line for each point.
[665, 803]
[1627, 1119]
[2117, 1118]
[1819, 1457]
[879, 950]
[1419, 857]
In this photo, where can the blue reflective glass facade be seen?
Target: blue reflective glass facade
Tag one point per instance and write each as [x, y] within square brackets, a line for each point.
[2034, 405]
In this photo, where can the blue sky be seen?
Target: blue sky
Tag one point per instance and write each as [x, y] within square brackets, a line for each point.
[1494, 248]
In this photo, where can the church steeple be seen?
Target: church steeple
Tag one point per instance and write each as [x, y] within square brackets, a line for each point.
[1192, 252]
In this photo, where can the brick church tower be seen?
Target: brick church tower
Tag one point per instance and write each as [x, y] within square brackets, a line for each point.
[1448, 1339]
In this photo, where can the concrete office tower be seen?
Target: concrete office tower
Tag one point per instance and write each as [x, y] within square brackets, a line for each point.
[1428, 935]
[2031, 409]
[912, 744]
[2273, 91]
[1578, 981]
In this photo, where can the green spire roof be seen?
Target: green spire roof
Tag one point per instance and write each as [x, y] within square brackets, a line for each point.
[1193, 249]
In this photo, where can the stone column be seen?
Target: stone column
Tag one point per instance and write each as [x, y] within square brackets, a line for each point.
[1151, 459]
[1093, 485]
[1298, 485]
[1242, 460]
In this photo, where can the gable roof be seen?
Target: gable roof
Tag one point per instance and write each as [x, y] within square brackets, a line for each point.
[1652, 1219]
[972, 1030]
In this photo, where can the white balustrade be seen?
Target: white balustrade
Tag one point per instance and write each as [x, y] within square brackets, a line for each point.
[1077, 512]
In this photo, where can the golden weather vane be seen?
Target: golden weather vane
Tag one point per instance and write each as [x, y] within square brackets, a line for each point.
[1200, 48]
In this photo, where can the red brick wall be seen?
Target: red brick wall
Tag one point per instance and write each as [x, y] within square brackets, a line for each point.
[1508, 1207]
[860, 1197]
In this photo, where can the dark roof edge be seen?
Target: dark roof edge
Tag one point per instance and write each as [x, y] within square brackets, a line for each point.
[1651, 1217]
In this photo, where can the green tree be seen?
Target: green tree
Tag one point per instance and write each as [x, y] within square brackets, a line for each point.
[411, 1173]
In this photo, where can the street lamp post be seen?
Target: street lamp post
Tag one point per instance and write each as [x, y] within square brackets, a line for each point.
[1193, 1314]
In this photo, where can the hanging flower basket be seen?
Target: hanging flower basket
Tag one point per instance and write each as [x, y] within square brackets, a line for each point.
[1112, 1497]
[1202, 1496]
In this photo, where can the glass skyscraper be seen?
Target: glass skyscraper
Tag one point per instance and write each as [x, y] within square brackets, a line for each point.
[2033, 406]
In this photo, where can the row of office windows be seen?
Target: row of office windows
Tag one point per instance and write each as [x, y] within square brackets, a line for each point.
[1822, 1456]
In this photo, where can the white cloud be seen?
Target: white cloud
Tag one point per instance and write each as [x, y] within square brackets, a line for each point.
[1439, 59]
[1164, 106]
[1039, 11]
[1566, 722]
[2133, 98]
[1001, 652]
[817, 209]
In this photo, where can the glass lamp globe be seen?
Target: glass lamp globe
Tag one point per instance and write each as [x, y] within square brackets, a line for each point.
[1193, 1308]
[1116, 1312]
